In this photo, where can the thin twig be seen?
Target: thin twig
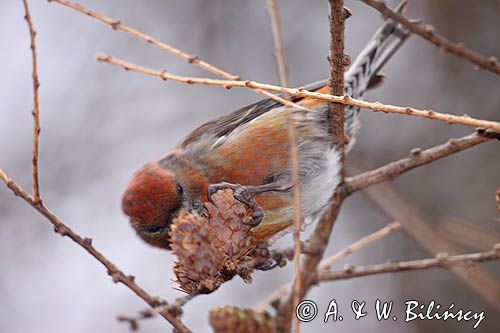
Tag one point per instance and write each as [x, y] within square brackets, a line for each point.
[279, 50]
[442, 260]
[36, 103]
[86, 243]
[417, 158]
[192, 59]
[174, 308]
[118, 25]
[327, 263]
[300, 92]
[427, 32]
[281, 291]
[294, 157]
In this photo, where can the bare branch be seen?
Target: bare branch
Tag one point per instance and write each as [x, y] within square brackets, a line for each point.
[279, 50]
[417, 158]
[36, 102]
[282, 291]
[300, 92]
[174, 308]
[294, 157]
[336, 83]
[442, 260]
[327, 263]
[118, 25]
[192, 59]
[427, 32]
[86, 243]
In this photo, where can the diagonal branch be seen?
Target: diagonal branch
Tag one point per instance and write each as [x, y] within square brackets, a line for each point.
[175, 307]
[36, 103]
[427, 32]
[442, 260]
[327, 263]
[192, 59]
[118, 25]
[417, 158]
[86, 243]
[300, 92]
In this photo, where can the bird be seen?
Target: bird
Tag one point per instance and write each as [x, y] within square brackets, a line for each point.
[248, 151]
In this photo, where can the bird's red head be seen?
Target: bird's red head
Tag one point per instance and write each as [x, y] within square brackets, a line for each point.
[151, 199]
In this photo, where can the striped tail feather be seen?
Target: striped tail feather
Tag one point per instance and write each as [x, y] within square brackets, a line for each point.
[363, 72]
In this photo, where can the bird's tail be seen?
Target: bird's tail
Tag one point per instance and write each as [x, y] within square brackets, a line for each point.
[363, 72]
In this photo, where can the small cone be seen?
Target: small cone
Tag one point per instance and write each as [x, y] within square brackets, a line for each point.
[211, 250]
[227, 217]
[198, 261]
[235, 320]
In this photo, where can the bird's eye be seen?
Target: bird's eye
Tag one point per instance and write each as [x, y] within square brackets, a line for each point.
[179, 189]
[154, 230]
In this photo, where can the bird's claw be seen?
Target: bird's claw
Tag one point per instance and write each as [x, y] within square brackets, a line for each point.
[243, 195]
[266, 259]
[266, 265]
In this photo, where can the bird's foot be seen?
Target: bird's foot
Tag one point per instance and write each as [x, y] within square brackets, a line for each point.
[267, 259]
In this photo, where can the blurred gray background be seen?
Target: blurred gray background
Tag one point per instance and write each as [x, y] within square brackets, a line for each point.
[99, 124]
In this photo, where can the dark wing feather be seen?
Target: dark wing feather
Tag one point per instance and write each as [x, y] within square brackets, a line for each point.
[226, 124]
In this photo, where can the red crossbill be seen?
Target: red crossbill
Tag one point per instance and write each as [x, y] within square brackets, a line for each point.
[248, 151]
